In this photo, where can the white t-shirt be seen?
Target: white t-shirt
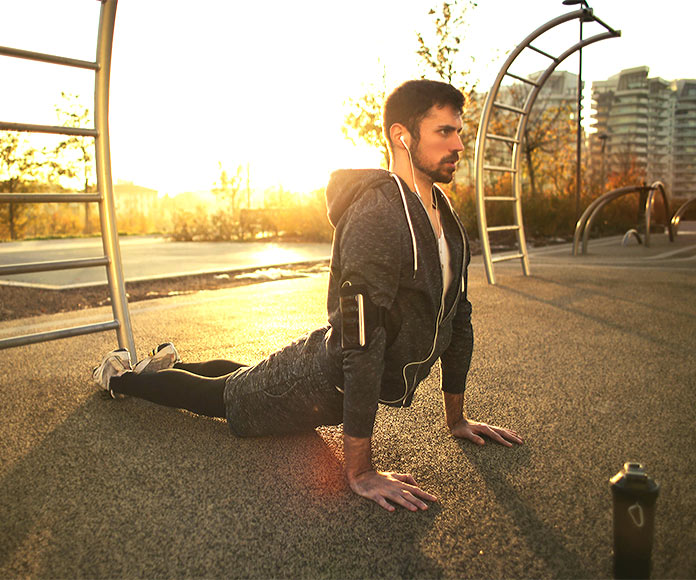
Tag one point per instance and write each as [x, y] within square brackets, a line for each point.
[445, 264]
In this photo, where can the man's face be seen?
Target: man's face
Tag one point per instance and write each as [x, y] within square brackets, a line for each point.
[437, 150]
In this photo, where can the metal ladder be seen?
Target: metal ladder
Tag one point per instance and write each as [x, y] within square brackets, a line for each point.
[522, 114]
[104, 198]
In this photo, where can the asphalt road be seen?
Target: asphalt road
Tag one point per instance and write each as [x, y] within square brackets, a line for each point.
[151, 257]
[592, 363]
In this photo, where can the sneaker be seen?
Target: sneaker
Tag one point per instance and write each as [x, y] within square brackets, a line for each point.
[161, 358]
[114, 364]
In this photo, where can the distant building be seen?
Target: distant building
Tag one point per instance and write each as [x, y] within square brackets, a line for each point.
[134, 199]
[647, 123]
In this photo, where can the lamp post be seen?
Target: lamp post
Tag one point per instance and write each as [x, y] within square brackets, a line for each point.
[578, 153]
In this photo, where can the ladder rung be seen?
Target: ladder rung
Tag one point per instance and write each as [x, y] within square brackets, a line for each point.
[522, 79]
[77, 131]
[509, 108]
[499, 198]
[49, 197]
[31, 267]
[502, 228]
[507, 257]
[546, 54]
[55, 334]
[41, 57]
[499, 168]
[502, 138]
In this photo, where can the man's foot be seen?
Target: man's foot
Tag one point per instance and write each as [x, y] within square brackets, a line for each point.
[114, 364]
[161, 358]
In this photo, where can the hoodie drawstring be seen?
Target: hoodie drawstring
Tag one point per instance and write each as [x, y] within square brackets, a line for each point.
[410, 225]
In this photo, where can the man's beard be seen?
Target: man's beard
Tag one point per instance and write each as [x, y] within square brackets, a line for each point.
[438, 173]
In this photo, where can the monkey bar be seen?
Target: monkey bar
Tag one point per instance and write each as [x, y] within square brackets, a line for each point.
[484, 136]
[111, 259]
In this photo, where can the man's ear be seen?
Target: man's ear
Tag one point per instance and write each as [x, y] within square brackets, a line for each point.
[400, 137]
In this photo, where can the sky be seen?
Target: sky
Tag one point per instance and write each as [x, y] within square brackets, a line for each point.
[197, 86]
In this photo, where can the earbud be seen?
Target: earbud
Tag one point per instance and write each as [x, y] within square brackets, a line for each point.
[404, 142]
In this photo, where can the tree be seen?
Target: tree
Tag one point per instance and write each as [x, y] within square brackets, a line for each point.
[19, 166]
[364, 119]
[75, 153]
[441, 59]
[363, 122]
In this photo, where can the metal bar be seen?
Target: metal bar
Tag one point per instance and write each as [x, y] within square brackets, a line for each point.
[609, 28]
[481, 136]
[546, 54]
[656, 187]
[584, 224]
[508, 257]
[499, 168]
[30, 128]
[107, 211]
[49, 197]
[503, 228]
[31, 267]
[50, 58]
[56, 334]
[499, 198]
[509, 108]
[676, 218]
[522, 79]
[502, 138]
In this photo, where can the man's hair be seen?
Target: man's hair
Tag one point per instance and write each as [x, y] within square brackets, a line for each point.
[409, 103]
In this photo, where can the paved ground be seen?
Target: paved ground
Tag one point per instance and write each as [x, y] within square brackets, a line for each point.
[147, 257]
[591, 359]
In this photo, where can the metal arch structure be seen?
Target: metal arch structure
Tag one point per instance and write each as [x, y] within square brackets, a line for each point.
[676, 218]
[484, 136]
[111, 259]
[584, 225]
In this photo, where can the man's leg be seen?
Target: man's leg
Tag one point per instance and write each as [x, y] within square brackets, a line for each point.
[175, 388]
[286, 393]
[210, 368]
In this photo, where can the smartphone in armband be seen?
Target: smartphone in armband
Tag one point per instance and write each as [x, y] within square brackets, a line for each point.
[352, 321]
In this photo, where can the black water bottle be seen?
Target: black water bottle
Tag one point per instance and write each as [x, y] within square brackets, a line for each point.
[634, 495]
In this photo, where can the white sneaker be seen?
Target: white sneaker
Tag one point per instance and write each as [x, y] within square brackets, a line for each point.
[160, 358]
[114, 364]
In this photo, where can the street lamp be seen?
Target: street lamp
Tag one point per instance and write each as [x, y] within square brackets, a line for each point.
[578, 154]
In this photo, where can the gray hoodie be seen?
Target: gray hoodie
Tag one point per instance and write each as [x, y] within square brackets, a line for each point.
[380, 227]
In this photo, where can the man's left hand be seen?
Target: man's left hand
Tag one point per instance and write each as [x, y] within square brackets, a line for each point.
[475, 431]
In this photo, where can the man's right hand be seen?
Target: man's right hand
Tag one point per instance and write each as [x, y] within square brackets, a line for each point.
[384, 487]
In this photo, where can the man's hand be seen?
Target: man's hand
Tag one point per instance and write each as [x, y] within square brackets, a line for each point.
[474, 431]
[399, 488]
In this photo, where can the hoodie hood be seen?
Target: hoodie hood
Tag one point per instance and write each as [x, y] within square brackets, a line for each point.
[347, 185]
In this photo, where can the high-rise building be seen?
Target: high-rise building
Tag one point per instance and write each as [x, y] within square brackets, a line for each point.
[684, 141]
[647, 125]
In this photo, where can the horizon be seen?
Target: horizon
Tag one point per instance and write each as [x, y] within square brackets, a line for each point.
[280, 107]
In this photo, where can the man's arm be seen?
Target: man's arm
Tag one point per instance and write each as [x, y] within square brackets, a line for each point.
[380, 486]
[464, 428]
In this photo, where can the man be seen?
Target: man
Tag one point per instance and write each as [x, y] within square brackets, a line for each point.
[396, 304]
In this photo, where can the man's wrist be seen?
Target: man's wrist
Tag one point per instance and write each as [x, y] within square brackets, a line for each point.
[358, 456]
[454, 409]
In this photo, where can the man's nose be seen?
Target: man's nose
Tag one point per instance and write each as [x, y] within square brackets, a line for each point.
[458, 145]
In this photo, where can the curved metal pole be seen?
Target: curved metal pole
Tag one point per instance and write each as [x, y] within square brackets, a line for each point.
[583, 226]
[107, 210]
[657, 186]
[676, 218]
[485, 119]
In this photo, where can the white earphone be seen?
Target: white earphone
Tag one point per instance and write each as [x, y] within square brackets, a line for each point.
[404, 143]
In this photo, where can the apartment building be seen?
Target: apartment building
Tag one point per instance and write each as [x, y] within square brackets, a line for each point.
[648, 124]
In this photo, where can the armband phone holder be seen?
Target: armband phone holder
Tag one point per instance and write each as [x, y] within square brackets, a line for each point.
[353, 332]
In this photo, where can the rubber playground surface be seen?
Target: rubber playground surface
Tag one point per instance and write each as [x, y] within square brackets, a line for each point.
[590, 359]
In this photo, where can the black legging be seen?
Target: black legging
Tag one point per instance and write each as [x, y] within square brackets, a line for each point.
[197, 387]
